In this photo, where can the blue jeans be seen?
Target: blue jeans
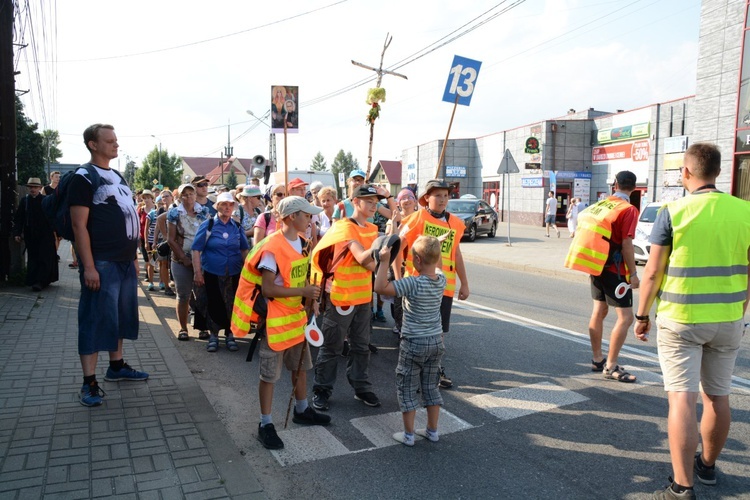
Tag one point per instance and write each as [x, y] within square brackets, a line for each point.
[111, 313]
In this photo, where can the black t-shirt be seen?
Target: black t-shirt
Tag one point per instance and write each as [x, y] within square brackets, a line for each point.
[113, 223]
[47, 190]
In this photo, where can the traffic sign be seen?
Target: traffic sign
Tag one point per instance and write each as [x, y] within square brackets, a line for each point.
[508, 165]
[462, 80]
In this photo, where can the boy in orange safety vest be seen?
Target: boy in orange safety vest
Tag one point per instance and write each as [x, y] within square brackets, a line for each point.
[284, 263]
[343, 260]
[435, 221]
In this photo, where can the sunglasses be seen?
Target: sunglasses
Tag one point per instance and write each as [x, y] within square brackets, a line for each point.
[280, 195]
[202, 184]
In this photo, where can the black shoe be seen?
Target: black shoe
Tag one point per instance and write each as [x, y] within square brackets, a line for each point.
[36, 287]
[268, 437]
[372, 348]
[310, 417]
[705, 474]
[669, 494]
[320, 401]
[368, 398]
[445, 382]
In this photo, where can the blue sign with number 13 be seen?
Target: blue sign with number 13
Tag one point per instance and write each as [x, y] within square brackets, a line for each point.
[461, 80]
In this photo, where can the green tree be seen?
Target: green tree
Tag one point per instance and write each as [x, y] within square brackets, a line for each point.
[51, 140]
[344, 162]
[319, 163]
[30, 150]
[230, 180]
[129, 173]
[169, 170]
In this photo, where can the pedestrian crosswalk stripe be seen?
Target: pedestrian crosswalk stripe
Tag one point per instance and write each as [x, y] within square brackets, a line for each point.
[521, 401]
[379, 429]
[306, 444]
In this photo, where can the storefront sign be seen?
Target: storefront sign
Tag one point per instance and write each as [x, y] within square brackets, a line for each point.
[532, 182]
[625, 133]
[635, 151]
[411, 173]
[532, 145]
[455, 171]
[674, 161]
[532, 166]
[678, 144]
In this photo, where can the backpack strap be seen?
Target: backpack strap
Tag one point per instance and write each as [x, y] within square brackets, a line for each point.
[267, 217]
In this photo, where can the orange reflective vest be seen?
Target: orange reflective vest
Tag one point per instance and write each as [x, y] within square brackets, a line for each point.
[590, 248]
[286, 319]
[247, 292]
[422, 223]
[352, 283]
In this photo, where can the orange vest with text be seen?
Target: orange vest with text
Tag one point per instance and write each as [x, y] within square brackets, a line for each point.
[421, 223]
[286, 319]
[590, 248]
[248, 291]
[352, 283]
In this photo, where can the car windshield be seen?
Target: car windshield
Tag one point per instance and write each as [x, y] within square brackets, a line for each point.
[649, 213]
[458, 206]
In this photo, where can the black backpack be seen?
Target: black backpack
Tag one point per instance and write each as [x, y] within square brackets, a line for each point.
[56, 206]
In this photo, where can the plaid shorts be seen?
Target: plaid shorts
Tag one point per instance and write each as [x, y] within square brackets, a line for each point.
[419, 369]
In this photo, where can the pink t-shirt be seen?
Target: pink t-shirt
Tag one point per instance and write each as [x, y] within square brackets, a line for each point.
[261, 223]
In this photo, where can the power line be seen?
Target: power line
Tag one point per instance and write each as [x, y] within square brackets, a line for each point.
[207, 40]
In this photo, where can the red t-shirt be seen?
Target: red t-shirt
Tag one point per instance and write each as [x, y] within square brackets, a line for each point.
[623, 227]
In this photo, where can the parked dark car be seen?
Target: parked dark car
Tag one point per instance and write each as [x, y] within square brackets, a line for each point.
[478, 215]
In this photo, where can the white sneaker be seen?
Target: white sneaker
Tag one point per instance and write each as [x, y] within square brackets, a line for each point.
[430, 437]
[401, 438]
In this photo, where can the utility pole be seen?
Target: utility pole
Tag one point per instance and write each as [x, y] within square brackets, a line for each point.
[228, 152]
[7, 134]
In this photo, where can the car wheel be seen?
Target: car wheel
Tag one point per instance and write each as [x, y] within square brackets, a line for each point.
[473, 232]
[493, 230]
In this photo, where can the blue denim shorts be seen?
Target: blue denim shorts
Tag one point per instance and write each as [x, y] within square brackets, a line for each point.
[111, 313]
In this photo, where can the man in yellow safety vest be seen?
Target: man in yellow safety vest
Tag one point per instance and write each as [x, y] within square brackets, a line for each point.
[698, 268]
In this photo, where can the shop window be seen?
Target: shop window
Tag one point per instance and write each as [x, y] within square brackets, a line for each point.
[742, 184]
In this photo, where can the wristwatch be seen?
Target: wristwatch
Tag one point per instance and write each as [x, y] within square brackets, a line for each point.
[642, 318]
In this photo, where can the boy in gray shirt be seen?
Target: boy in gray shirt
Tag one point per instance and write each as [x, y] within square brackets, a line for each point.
[421, 347]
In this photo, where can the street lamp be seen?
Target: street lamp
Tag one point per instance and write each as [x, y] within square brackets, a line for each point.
[159, 168]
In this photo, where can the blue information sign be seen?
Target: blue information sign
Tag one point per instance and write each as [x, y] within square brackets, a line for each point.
[461, 80]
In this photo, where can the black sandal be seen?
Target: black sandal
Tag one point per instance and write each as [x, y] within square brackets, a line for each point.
[183, 335]
[598, 367]
[619, 374]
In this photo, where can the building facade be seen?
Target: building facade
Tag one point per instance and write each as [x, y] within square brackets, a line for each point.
[578, 155]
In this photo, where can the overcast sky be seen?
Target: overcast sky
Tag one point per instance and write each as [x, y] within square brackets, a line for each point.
[182, 70]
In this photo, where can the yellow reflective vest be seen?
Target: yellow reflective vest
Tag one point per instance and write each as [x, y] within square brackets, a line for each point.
[590, 248]
[706, 277]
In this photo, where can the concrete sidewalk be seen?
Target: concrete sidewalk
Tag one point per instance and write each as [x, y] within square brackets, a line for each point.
[529, 251]
[157, 439]
[154, 439]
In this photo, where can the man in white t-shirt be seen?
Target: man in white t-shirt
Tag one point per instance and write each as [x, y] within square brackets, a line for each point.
[551, 213]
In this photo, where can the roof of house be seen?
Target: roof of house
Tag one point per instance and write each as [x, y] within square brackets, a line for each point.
[204, 166]
[214, 175]
[392, 170]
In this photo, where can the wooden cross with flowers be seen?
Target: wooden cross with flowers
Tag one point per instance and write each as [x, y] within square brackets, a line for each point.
[376, 95]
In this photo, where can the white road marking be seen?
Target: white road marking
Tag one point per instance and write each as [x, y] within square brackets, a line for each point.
[379, 429]
[627, 351]
[521, 401]
[306, 444]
